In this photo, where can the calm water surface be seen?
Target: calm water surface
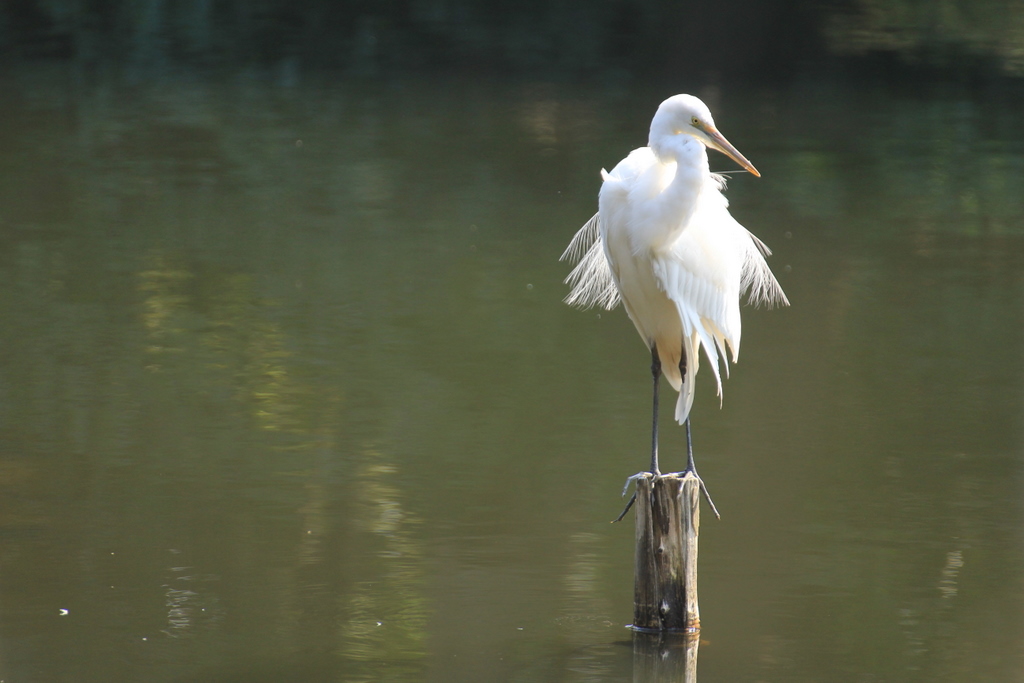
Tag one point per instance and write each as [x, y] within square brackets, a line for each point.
[287, 391]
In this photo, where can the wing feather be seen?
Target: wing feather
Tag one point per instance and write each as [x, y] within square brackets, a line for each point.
[705, 272]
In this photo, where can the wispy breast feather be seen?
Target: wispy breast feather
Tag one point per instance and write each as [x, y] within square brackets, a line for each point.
[758, 280]
[591, 280]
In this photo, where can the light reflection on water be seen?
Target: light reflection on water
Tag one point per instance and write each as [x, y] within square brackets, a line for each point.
[288, 390]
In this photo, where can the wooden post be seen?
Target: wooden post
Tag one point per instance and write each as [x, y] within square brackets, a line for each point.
[667, 524]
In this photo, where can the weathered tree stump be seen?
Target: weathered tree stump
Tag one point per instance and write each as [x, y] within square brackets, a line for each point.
[667, 524]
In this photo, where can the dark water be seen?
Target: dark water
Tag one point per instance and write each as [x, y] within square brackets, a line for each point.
[287, 392]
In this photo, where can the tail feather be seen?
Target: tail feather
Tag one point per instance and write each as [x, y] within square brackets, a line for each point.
[691, 346]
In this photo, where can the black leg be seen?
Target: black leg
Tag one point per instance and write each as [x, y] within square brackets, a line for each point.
[689, 449]
[690, 467]
[656, 374]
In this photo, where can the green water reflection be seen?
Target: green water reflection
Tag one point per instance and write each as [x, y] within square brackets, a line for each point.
[287, 391]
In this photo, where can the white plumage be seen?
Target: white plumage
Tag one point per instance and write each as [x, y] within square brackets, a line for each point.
[664, 243]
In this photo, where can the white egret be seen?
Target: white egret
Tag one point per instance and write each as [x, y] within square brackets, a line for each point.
[663, 242]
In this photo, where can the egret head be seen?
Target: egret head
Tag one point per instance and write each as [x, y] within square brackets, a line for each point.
[686, 115]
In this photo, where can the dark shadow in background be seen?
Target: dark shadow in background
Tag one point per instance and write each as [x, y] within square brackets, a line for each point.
[963, 40]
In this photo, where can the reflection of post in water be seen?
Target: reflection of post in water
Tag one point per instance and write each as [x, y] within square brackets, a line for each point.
[665, 657]
[667, 524]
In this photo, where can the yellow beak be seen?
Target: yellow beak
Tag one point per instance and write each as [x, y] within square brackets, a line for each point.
[718, 141]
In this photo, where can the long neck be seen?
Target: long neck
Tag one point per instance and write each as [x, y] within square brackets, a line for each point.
[692, 171]
[670, 211]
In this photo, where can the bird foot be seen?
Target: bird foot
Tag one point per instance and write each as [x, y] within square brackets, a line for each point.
[704, 490]
[632, 499]
[633, 479]
[642, 475]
